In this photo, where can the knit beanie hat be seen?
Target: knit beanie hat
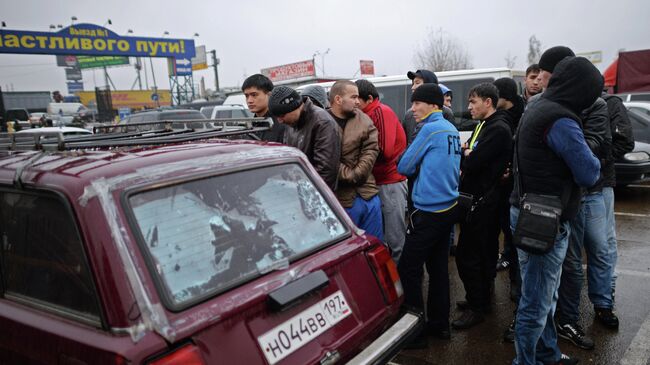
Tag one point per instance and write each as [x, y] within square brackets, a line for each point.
[552, 56]
[427, 76]
[507, 88]
[317, 93]
[430, 94]
[283, 100]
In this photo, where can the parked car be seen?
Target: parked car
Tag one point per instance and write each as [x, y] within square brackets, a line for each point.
[230, 111]
[640, 96]
[201, 252]
[640, 124]
[634, 167]
[19, 115]
[37, 119]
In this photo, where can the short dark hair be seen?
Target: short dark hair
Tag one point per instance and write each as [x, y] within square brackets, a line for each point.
[339, 88]
[366, 89]
[533, 68]
[259, 81]
[486, 90]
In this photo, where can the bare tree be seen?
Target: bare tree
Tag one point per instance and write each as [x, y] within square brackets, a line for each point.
[441, 52]
[534, 50]
[511, 61]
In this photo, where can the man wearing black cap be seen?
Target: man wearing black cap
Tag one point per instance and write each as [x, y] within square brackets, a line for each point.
[421, 77]
[435, 153]
[553, 159]
[485, 158]
[310, 129]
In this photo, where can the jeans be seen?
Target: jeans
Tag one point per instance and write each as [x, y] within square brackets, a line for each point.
[535, 335]
[366, 214]
[608, 196]
[393, 206]
[588, 230]
[427, 242]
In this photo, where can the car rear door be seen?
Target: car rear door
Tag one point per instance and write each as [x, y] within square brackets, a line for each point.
[261, 266]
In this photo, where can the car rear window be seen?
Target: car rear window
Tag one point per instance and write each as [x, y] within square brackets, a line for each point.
[208, 235]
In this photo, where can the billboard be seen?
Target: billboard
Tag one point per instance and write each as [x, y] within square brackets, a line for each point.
[290, 71]
[73, 74]
[92, 40]
[134, 99]
[200, 61]
[367, 67]
[75, 86]
[86, 62]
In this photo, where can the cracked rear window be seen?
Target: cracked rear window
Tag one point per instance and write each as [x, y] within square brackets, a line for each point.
[207, 235]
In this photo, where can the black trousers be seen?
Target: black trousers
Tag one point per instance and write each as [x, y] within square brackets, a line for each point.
[427, 242]
[477, 253]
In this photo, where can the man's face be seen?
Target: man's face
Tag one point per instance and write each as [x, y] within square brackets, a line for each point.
[421, 109]
[448, 101]
[349, 100]
[478, 107]
[544, 77]
[417, 81]
[257, 100]
[532, 84]
[364, 103]
[290, 118]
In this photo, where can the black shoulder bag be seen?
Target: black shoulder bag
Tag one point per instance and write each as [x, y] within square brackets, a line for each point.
[539, 218]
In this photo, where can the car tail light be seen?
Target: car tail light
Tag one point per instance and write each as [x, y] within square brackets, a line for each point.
[186, 355]
[386, 272]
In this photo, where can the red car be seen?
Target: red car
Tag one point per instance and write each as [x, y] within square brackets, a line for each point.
[203, 252]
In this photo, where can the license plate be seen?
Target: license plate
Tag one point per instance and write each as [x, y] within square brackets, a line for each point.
[291, 335]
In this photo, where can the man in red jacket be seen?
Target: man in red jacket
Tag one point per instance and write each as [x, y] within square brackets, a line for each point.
[392, 185]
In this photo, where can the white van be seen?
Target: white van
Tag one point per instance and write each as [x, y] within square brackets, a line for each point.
[395, 91]
[69, 109]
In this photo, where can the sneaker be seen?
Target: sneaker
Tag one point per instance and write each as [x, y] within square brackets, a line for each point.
[468, 319]
[576, 335]
[509, 334]
[607, 317]
[566, 360]
[502, 263]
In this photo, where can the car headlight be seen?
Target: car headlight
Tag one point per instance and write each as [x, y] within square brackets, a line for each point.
[636, 156]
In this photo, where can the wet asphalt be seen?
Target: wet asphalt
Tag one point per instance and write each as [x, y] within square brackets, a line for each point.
[629, 345]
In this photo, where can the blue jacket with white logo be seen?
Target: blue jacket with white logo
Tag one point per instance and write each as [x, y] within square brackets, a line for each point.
[434, 156]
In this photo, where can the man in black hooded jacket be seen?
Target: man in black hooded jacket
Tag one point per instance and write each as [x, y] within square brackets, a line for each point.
[552, 158]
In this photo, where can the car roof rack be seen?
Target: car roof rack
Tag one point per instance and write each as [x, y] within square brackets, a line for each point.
[145, 134]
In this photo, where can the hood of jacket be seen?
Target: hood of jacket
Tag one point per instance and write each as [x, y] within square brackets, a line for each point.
[575, 84]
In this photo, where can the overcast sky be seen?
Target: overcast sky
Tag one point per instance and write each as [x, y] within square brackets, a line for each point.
[252, 34]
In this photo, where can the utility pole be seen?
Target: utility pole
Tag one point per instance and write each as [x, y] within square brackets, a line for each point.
[215, 63]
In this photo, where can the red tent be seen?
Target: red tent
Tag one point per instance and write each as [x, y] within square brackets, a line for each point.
[610, 74]
[633, 73]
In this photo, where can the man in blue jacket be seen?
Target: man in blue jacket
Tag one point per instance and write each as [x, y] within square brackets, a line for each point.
[434, 156]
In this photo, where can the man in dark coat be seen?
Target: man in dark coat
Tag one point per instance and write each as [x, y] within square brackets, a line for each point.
[311, 129]
[485, 158]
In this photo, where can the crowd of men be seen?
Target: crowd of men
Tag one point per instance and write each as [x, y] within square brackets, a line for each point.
[410, 181]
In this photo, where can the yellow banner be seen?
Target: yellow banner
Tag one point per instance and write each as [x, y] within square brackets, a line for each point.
[134, 99]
